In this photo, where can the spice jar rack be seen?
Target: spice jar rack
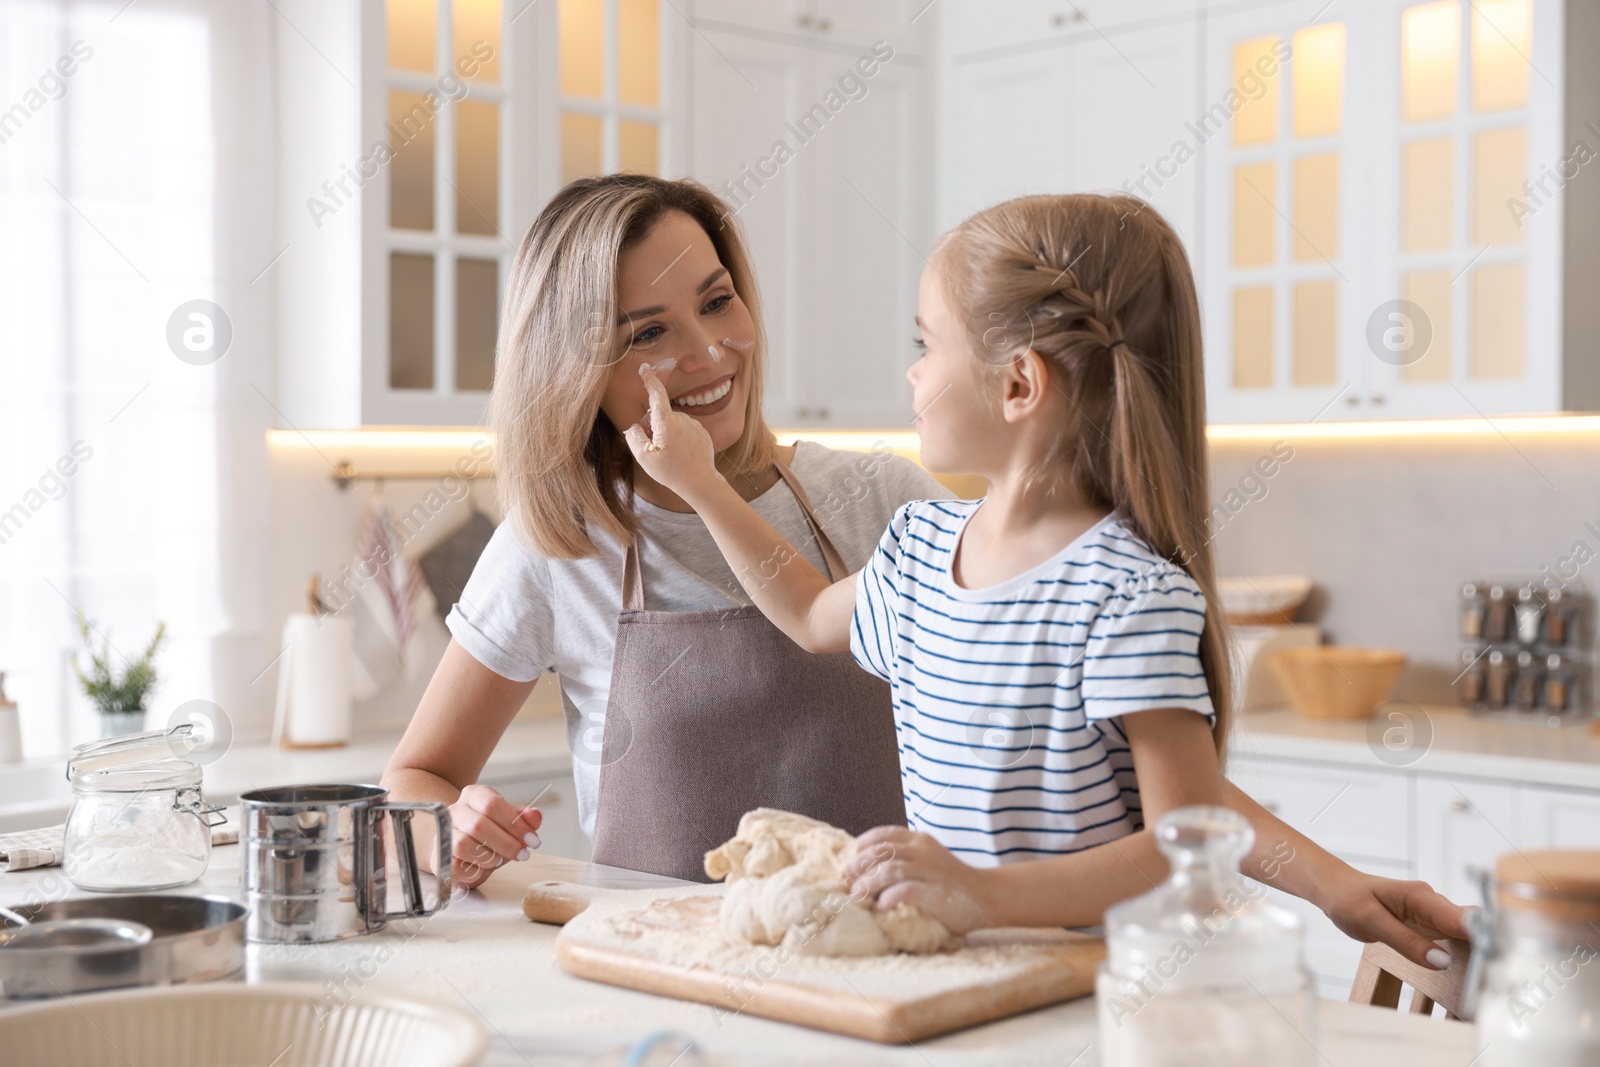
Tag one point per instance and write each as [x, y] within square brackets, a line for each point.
[1527, 648]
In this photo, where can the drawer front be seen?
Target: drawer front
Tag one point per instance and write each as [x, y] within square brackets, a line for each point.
[1365, 814]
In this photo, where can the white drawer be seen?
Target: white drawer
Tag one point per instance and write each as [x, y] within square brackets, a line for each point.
[1353, 813]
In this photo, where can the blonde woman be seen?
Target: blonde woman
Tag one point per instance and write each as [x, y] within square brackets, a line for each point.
[685, 706]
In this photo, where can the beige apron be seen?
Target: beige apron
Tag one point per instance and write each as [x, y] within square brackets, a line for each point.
[713, 713]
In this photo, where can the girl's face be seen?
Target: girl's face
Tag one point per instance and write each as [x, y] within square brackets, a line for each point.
[953, 422]
[678, 312]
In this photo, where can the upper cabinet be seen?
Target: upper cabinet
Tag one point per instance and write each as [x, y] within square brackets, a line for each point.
[1379, 198]
[813, 121]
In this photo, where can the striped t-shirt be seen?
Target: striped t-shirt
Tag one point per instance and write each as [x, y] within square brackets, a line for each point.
[1006, 698]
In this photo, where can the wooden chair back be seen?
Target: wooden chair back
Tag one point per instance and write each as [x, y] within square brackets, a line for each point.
[1383, 972]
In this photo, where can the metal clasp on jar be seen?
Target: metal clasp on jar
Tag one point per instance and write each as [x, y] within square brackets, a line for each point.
[191, 801]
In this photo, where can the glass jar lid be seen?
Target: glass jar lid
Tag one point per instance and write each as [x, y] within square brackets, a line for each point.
[151, 776]
[1559, 884]
[134, 762]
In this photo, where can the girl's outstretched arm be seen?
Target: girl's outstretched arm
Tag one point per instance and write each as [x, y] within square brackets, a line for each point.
[676, 451]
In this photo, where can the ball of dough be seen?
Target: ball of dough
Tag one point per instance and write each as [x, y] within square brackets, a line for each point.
[785, 876]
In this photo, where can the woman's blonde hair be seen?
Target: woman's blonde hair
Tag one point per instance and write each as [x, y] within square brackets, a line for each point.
[1100, 287]
[563, 470]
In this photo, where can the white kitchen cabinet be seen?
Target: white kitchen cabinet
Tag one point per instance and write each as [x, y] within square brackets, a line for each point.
[848, 23]
[1557, 818]
[1017, 25]
[1462, 826]
[834, 207]
[406, 173]
[1351, 812]
[1038, 119]
[1373, 250]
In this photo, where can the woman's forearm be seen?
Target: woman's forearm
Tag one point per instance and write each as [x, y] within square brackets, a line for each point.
[799, 599]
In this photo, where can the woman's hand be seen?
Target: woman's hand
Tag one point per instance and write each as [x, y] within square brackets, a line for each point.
[899, 866]
[672, 447]
[489, 832]
[1407, 916]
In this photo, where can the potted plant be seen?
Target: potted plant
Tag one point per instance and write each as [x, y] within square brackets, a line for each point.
[118, 696]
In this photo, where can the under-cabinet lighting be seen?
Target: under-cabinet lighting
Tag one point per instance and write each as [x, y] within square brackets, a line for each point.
[462, 439]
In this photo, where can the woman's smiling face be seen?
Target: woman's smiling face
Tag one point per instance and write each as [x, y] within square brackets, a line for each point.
[676, 303]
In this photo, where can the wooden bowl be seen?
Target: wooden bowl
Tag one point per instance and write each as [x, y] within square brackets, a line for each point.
[1263, 601]
[1336, 682]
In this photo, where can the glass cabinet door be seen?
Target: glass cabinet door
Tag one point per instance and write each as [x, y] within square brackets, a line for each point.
[611, 87]
[442, 156]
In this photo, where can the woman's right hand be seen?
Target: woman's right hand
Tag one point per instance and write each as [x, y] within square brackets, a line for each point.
[672, 447]
[489, 831]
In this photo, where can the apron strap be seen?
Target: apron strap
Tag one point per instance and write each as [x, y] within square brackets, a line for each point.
[633, 578]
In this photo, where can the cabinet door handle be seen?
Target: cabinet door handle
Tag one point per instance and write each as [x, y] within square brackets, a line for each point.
[824, 25]
[1352, 400]
[805, 21]
[1461, 804]
[1270, 806]
[1376, 399]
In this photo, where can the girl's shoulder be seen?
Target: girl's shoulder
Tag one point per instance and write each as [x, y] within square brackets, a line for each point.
[1135, 567]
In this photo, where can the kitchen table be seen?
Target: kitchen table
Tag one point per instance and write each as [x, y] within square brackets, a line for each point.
[482, 955]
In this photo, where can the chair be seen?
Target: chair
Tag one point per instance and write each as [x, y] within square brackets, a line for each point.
[1383, 972]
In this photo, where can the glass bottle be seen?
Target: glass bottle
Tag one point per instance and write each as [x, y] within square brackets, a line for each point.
[1202, 969]
[1473, 678]
[1497, 617]
[1557, 684]
[1473, 608]
[1534, 975]
[1529, 681]
[1528, 612]
[1498, 675]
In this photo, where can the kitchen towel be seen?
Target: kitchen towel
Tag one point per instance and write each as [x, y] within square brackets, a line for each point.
[44, 847]
[388, 599]
[448, 564]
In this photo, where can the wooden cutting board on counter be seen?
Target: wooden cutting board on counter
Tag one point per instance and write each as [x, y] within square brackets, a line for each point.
[670, 942]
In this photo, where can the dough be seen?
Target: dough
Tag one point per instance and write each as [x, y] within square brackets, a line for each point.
[786, 887]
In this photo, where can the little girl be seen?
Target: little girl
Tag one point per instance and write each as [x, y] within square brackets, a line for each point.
[1058, 680]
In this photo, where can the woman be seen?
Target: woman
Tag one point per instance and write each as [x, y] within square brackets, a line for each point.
[684, 706]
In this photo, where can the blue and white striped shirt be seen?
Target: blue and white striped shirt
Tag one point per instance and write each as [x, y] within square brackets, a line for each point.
[1006, 698]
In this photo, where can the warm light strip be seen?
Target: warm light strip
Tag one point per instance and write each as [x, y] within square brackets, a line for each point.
[1482, 426]
[905, 441]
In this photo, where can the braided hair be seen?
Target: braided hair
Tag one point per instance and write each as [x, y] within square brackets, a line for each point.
[1101, 289]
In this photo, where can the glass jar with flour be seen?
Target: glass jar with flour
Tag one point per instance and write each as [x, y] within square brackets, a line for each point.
[139, 821]
[1536, 962]
[1202, 969]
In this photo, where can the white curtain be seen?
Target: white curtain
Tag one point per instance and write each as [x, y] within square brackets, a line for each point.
[136, 164]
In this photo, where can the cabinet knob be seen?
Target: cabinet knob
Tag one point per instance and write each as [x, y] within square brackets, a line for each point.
[1271, 806]
[824, 25]
[1461, 804]
[805, 21]
[822, 413]
[1352, 400]
[803, 413]
[1375, 399]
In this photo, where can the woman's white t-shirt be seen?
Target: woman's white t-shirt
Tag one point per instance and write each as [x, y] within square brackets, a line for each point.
[522, 613]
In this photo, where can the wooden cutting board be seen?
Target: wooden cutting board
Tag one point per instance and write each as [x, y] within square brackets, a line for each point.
[670, 942]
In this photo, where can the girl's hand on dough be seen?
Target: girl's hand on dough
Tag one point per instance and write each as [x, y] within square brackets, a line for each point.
[673, 448]
[488, 831]
[899, 866]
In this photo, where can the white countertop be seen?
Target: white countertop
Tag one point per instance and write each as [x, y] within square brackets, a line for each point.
[481, 954]
[1462, 745]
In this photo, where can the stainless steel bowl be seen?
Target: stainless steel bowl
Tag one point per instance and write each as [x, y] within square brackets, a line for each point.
[193, 939]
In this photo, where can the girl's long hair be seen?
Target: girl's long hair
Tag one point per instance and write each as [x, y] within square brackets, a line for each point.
[1101, 288]
[562, 469]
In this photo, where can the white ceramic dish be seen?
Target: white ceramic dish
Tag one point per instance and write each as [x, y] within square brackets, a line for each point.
[236, 1024]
